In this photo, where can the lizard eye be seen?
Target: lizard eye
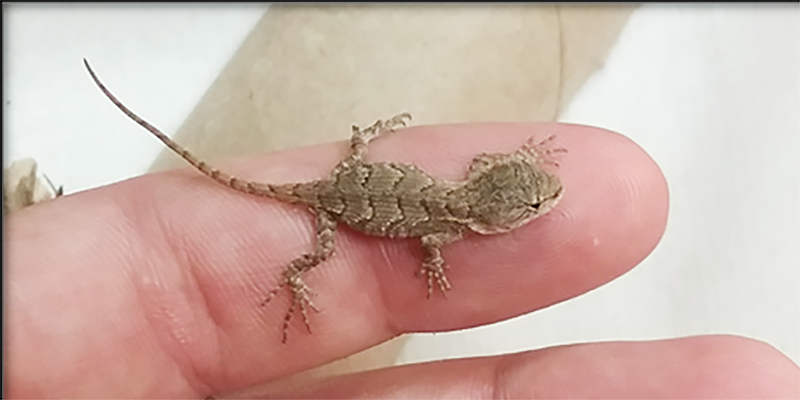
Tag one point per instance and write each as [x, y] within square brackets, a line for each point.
[534, 206]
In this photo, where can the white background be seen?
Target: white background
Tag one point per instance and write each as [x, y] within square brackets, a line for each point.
[711, 92]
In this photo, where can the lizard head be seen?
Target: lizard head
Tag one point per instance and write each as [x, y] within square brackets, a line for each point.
[506, 191]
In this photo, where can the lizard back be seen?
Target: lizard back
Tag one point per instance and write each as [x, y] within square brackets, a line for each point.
[389, 199]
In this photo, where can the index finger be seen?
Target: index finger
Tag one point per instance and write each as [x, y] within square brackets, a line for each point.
[152, 286]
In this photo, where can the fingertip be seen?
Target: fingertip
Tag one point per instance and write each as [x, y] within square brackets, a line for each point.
[612, 215]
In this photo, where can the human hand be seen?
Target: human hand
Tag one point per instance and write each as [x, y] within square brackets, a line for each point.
[151, 287]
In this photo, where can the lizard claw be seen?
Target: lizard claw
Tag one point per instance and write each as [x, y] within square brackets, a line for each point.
[301, 298]
[396, 121]
[434, 271]
[400, 119]
[539, 152]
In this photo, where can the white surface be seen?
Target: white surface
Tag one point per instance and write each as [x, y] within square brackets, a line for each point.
[711, 92]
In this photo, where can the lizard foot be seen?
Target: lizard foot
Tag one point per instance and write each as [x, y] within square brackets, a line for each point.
[434, 271]
[396, 121]
[301, 298]
[540, 152]
[382, 126]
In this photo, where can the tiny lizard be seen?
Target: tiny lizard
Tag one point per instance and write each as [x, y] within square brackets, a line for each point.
[500, 193]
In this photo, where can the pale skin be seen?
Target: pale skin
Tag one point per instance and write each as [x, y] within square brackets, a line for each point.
[150, 287]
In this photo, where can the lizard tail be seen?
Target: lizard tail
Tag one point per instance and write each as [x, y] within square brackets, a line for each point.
[286, 193]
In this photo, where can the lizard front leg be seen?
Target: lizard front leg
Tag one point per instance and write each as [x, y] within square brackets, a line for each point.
[433, 265]
[294, 273]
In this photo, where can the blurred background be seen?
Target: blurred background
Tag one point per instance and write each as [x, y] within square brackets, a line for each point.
[711, 92]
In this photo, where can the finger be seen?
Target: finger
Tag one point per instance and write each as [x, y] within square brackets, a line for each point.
[152, 286]
[724, 367]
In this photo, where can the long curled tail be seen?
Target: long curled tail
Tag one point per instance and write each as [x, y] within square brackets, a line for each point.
[288, 193]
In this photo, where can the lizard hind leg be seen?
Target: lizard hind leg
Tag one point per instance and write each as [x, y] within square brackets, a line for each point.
[361, 137]
[294, 273]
